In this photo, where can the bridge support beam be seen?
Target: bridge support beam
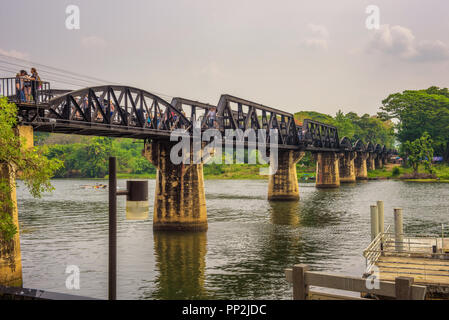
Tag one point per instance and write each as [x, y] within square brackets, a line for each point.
[347, 167]
[283, 185]
[327, 170]
[361, 171]
[180, 201]
[370, 161]
[10, 254]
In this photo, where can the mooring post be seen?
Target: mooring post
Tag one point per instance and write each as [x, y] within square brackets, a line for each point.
[380, 212]
[403, 286]
[398, 229]
[374, 222]
[300, 288]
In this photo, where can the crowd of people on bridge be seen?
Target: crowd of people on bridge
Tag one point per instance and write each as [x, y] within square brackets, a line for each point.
[27, 85]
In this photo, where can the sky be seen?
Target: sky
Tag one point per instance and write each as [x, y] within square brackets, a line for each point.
[292, 55]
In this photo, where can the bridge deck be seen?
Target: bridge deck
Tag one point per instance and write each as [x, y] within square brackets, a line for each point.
[122, 111]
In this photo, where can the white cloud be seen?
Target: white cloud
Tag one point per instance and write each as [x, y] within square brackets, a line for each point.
[400, 41]
[93, 42]
[318, 38]
[14, 54]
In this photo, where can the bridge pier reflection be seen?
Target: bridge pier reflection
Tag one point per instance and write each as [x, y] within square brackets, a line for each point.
[327, 170]
[285, 213]
[283, 185]
[181, 260]
[180, 201]
[10, 254]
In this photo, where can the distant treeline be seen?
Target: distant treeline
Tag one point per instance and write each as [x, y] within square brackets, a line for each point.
[89, 157]
[366, 128]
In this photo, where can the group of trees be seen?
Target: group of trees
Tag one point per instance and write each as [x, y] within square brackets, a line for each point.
[418, 152]
[89, 158]
[419, 112]
[29, 164]
[366, 128]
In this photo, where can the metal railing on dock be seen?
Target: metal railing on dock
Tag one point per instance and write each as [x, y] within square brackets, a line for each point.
[421, 256]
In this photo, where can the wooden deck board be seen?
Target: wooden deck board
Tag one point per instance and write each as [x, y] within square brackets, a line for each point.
[425, 271]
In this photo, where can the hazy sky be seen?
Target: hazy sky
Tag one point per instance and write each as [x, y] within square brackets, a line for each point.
[293, 55]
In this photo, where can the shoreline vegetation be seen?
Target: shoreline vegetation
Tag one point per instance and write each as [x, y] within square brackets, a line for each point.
[251, 172]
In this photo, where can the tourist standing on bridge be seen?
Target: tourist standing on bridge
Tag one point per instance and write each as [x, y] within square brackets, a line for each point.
[26, 85]
[35, 83]
[211, 117]
[20, 93]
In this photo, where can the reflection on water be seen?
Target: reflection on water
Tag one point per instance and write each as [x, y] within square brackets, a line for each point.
[285, 213]
[181, 262]
[249, 243]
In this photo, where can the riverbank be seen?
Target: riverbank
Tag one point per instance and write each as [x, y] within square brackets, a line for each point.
[441, 172]
[253, 172]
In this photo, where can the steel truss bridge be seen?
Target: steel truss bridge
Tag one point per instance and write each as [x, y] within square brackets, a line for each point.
[123, 111]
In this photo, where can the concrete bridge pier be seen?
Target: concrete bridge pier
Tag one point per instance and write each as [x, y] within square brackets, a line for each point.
[283, 184]
[361, 171]
[10, 254]
[370, 161]
[379, 163]
[327, 170]
[347, 167]
[180, 201]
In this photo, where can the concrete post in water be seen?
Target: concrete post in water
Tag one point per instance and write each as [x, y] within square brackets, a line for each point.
[283, 185]
[374, 222]
[10, 254]
[361, 171]
[380, 211]
[347, 167]
[398, 229]
[327, 170]
[180, 201]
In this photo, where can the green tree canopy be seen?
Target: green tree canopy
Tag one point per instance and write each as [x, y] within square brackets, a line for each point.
[420, 111]
[29, 164]
[366, 128]
[419, 151]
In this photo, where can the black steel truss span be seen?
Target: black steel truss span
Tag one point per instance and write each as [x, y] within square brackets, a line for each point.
[122, 111]
[236, 113]
[106, 110]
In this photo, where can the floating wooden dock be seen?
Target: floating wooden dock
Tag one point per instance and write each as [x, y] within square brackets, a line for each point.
[425, 258]
[398, 266]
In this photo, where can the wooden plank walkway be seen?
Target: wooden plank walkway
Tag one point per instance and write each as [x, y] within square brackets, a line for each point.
[423, 270]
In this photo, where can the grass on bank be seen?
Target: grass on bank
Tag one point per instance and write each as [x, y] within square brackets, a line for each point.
[252, 172]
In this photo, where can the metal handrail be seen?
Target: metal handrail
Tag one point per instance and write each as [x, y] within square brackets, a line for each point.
[39, 90]
[386, 243]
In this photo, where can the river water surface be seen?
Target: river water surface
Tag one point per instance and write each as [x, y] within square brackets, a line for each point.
[243, 255]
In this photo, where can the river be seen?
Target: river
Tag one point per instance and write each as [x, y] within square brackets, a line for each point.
[249, 243]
